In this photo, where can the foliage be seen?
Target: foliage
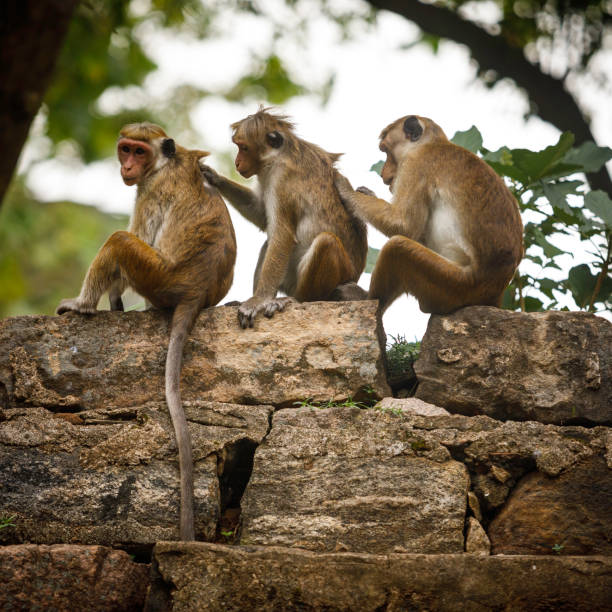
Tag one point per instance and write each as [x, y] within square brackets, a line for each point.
[552, 197]
[347, 403]
[7, 521]
[550, 190]
[401, 354]
[45, 250]
[541, 28]
[106, 51]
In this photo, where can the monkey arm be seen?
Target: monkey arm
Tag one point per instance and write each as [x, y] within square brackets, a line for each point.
[386, 218]
[275, 263]
[243, 199]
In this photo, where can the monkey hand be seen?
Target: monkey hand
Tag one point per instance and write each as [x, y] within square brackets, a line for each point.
[365, 191]
[209, 174]
[249, 310]
[74, 305]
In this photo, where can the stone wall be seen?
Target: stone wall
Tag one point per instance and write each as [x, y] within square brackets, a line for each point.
[415, 503]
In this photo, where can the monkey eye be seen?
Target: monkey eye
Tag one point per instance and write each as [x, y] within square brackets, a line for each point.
[139, 151]
[125, 149]
[243, 148]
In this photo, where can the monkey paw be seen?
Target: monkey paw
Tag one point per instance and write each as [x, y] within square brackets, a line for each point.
[366, 191]
[209, 174]
[74, 305]
[249, 310]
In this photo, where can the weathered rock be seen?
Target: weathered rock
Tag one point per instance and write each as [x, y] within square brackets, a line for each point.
[353, 480]
[319, 350]
[552, 367]
[410, 404]
[113, 478]
[213, 577]
[65, 577]
[476, 539]
[570, 514]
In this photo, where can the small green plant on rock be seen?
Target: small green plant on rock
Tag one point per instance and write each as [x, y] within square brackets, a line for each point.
[7, 521]
[401, 355]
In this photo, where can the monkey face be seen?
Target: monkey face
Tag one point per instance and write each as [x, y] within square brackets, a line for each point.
[136, 157]
[247, 160]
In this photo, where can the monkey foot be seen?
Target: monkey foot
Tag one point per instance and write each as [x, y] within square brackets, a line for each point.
[249, 310]
[348, 292]
[74, 305]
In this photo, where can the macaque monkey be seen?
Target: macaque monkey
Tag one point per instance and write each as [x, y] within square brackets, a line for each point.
[178, 253]
[316, 248]
[457, 236]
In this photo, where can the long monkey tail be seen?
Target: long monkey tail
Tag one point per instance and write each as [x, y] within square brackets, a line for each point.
[182, 321]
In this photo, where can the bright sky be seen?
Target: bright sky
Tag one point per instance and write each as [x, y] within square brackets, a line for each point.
[376, 82]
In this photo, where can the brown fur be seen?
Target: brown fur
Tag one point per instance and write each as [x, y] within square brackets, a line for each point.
[457, 236]
[314, 243]
[179, 253]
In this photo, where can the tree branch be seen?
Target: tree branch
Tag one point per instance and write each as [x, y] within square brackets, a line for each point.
[552, 102]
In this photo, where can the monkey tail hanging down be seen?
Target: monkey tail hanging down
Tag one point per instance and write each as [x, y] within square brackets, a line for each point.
[179, 253]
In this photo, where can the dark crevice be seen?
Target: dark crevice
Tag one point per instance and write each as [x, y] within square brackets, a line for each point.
[159, 597]
[140, 553]
[234, 467]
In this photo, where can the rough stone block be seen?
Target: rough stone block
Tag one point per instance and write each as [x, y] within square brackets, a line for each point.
[552, 367]
[354, 480]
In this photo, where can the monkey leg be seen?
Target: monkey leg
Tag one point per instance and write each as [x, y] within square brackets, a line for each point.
[324, 266]
[125, 256]
[406, 266]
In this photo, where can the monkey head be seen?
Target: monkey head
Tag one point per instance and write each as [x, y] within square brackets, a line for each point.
[259, 138]
[142, 148]
[401, 137]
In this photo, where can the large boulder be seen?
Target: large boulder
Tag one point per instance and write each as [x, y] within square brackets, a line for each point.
[552, 367]
[322, 350]
[354, 480]
[398, 478]
[110, 476]
[197, 576]
[65, 577]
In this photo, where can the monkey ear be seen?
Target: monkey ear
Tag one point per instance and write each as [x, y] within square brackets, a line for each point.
[412, 128]
[274, 139]
[168, 148]
[200, 154]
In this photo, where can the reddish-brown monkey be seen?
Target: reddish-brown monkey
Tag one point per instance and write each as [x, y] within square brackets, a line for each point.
[179, 253]
[315, 248]
[457, 236]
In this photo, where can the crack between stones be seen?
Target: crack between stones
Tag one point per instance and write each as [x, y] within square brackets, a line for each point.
[234, 470]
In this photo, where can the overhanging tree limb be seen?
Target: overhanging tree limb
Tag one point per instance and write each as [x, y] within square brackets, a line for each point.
[32, 32]
[552, 101]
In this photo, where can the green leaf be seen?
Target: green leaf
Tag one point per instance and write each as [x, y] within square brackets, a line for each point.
[501, 161]
[532, 304]
[589, 156]
[270, 80]
[557, 193]
[599, 203]
[540, 164]
[550, 250]
[371, 259]
[547, 285]
[377, 167]
[470, 139]
[581, 282]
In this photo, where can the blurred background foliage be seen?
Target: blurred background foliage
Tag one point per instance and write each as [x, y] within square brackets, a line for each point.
[45, 248]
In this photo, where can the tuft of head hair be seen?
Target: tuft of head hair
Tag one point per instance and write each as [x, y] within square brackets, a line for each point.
[255, 127]
[142, 131]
